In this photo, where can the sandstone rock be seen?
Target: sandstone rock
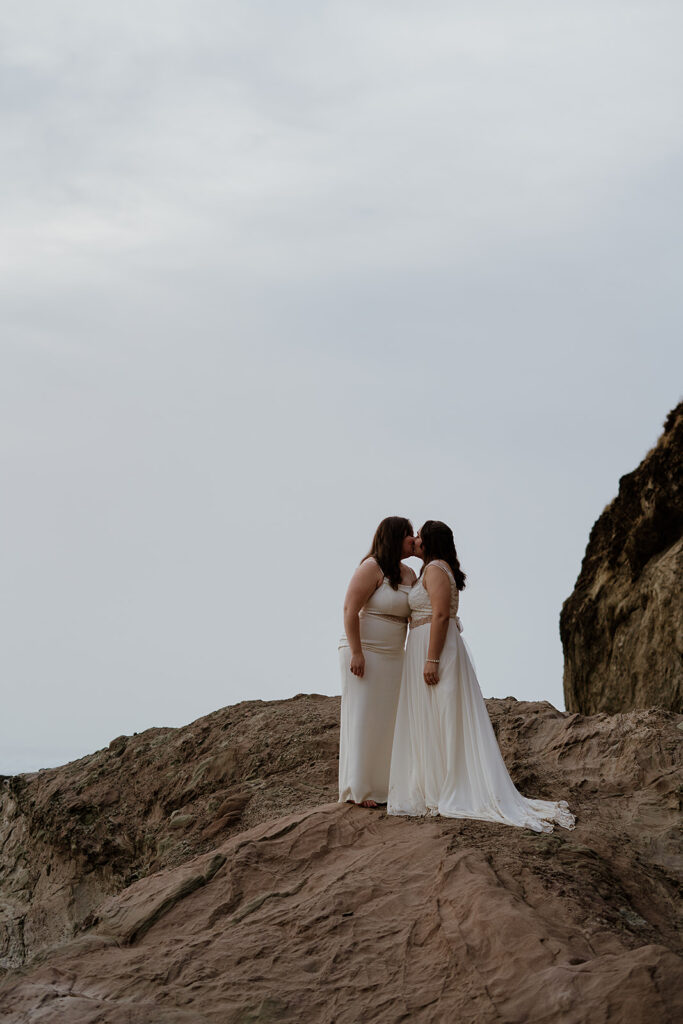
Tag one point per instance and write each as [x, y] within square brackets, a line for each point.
[335, 913]
[338, 914]
[118, 745]
[127, 917]
[180, 820]
[72, 836]
[622, 627]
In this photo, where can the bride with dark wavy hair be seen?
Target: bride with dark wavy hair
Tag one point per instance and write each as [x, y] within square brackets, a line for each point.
[445, 757]
[371, 659]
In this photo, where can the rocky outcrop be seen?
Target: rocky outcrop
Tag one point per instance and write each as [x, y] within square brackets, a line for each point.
[622, 627]
[301, 909]
[70, 837]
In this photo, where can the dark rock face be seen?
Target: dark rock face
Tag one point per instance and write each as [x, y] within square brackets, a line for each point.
[622, 628]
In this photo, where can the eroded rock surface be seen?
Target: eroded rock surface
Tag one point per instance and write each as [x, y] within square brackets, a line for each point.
[71, 836]
[328, 912]
[622, 627]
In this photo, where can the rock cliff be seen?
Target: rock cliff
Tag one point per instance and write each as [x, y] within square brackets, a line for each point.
[205, 874]
[71, 836]
[622, 627]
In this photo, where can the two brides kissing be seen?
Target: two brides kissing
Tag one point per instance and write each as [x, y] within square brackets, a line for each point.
[415, 733]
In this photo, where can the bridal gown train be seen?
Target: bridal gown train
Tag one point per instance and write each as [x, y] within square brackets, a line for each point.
[445, 757]
[368, 706]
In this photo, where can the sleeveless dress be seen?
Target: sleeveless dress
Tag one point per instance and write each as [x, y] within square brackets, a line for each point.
[446, 758]
[368, 705]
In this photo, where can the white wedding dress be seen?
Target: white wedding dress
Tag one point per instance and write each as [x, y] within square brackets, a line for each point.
[445, 757]
[368, 705]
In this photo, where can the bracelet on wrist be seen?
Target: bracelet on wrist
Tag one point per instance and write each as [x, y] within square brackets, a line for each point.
[434, 661]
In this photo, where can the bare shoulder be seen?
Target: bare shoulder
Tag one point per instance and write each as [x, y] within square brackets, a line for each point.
[366, 579]
[439, 563]
[369, 570]
[436, 574]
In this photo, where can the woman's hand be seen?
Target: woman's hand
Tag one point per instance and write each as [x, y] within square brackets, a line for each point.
[431, 673]
[358, 665]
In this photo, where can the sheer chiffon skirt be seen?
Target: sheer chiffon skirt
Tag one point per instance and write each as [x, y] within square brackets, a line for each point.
[445, 757]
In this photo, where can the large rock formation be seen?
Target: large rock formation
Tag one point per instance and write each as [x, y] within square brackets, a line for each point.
[204, 875]
[622, 628]
[72, 836]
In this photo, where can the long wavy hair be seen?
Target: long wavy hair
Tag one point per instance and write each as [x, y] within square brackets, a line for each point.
[437, 542]
[386, 546]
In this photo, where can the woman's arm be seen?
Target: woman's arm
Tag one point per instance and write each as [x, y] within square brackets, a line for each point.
[364, 583]
[438, 586]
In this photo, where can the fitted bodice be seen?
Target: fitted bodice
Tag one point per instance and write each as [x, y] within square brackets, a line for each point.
[421, 606]
[387, 601]
[384, 620]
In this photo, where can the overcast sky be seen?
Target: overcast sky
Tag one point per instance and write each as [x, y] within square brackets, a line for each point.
[271, 272]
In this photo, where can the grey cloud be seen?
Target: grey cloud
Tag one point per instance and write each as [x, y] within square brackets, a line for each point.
[272, 272]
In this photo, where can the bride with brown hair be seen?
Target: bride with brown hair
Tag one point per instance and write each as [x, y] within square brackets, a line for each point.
[445, 758]
[371, 658]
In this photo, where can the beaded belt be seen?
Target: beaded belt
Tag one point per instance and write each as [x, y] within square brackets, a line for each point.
[422, 620]
[389, 618]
